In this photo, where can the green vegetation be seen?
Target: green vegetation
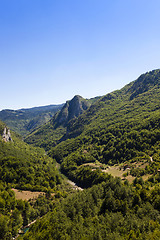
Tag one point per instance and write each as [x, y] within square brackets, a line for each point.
[26, 167]
[110, 210]
[10, 213]
[17, 213]
[122, 126]
[118, 131]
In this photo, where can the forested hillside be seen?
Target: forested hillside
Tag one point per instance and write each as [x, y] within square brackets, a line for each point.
[28, 168]
[110, 210]
[121, 129]
[122, 126]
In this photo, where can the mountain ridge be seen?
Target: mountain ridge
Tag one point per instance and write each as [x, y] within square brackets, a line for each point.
[123, 100]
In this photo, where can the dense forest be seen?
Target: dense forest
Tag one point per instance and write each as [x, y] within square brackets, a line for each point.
[90, 141]
[122, 128]
[24, 167]
[110, 210]
[16, 213]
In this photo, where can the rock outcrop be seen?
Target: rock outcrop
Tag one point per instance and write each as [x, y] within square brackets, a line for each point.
[6, 136]
[72, 109]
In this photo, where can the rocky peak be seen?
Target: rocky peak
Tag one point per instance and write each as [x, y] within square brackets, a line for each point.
[77, 106]
[72, 109]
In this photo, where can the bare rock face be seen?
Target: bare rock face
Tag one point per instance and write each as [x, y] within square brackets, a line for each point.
[72, 109]
[6, 136]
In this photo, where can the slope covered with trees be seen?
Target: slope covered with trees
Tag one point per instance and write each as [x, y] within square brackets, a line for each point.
[122, 126]
[28, 168]
[110, 210]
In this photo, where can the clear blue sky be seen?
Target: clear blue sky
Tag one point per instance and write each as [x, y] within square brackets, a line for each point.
[51, 50]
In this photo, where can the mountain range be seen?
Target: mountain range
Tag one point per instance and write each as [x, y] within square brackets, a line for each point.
[26, 120]
[109, 145]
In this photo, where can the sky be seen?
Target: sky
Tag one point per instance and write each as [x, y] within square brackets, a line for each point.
[51, 50]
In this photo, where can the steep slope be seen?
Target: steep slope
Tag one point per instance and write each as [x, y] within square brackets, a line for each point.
[122, 126]
[24, 166]
[52, 132]
[24, 121]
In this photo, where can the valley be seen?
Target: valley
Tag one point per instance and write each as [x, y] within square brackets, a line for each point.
[91, 171]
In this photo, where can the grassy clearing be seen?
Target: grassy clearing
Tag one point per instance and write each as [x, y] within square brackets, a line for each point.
[121, 169]
[26, 195]
[115, 171]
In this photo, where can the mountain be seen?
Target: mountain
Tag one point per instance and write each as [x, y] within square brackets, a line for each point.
[119, 132]
[121, 126]
[91, 140]
[48, 135]
[24, 121]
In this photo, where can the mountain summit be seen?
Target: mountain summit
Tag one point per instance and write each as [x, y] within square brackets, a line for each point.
[72, 109]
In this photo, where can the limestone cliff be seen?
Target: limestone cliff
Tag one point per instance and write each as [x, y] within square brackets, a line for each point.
[6, 136]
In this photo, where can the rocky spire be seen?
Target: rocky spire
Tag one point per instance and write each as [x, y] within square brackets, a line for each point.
[6, 136]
